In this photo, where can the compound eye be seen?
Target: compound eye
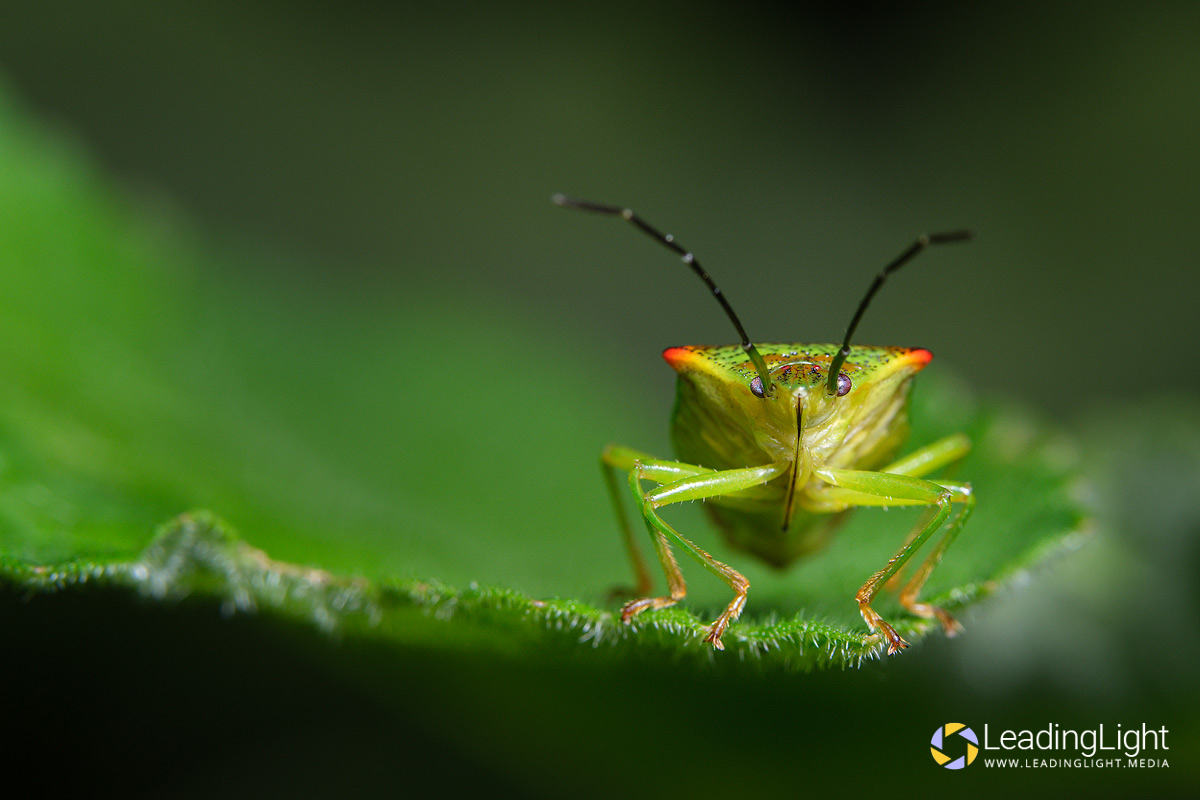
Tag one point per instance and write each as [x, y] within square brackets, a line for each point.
[844, 384]
[756, 387]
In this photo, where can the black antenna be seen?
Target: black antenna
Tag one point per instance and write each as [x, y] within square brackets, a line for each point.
[667, 239]
[908, 255]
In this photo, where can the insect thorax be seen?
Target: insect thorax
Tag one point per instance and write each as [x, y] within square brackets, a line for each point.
[719, 422]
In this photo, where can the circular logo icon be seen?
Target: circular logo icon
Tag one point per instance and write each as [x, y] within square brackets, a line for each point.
[950, 738]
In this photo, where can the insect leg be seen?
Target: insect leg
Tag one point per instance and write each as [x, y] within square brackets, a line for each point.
[859, 488]
[920, 463]
[908, 595]
[616, 458]
[696, 487]
[931, 457]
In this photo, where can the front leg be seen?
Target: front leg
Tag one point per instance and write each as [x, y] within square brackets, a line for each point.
[624, 459]
[680, 483]
[859, 488]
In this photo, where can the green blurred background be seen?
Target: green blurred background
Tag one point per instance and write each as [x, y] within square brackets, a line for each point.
[389, 172]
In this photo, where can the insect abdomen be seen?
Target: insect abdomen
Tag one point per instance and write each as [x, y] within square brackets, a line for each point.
[759, 531]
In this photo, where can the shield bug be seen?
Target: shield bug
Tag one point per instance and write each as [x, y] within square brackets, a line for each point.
[782, 441]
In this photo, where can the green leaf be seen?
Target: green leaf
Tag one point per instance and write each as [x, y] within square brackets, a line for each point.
[363, 444]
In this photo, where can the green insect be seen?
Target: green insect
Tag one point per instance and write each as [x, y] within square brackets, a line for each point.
[791, 436]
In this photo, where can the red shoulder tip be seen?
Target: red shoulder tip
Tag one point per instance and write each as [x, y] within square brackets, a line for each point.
[919, 356]
[678, 356]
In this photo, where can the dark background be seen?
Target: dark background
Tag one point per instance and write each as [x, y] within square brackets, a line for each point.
[412, 152]
[416, 149]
